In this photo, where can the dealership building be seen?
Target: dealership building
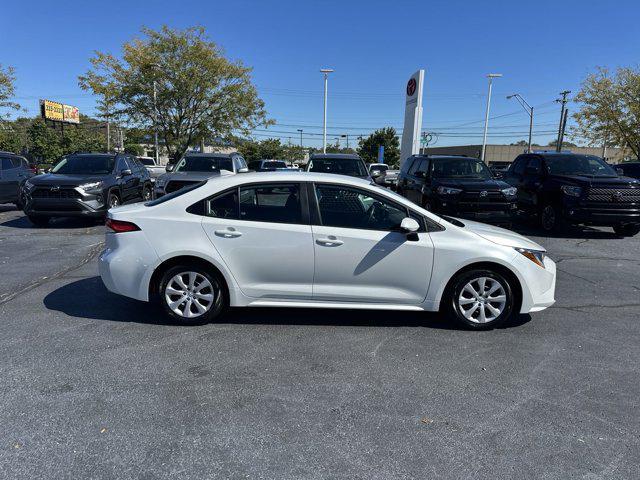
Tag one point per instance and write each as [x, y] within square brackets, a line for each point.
[507, 153]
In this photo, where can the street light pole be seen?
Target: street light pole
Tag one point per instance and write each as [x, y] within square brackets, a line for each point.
[326, 72]
[529, 109]
[490, 76]
[300, 130]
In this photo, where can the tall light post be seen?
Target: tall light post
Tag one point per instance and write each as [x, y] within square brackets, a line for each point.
[529, 109]
[326, 72]
[490, 76]
[155, 120]
[300, 130]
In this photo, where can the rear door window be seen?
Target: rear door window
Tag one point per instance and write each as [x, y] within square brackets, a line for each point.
[273, 203]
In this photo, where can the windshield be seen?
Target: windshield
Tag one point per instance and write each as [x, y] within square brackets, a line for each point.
[85, 165]
[274, 164]
[353, 167]
[588, 165]
[204, 164]
[460, 168]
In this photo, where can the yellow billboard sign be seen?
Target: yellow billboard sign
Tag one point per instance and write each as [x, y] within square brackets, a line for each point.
[59, 112]
[52, 110]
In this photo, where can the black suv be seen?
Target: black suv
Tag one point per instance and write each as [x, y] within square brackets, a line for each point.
[457, 186]
[86, 185]
[581, 189]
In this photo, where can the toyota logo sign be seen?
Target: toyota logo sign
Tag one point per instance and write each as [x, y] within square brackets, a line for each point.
[411, 87]
[55, 188]
[484, 193]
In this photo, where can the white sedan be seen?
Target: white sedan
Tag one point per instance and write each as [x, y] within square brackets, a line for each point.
[296, 239]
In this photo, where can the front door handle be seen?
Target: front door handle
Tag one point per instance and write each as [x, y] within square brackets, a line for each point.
[228, 233]
[330, 241]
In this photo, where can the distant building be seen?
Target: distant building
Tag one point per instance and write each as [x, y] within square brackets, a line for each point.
[507, 153]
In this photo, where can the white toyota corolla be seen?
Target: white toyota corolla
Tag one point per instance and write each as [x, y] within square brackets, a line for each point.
[296, 239]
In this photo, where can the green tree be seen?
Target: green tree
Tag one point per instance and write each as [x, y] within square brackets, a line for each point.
[565, 144]
[200, 93]
[610, 109]
[133, 149]
[271, 148]
[368, 147]
[7, 89]
[45, 142]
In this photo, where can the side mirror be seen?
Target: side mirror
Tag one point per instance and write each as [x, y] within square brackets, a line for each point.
[620, 171]
[169, 167]
[125, 173]
[243, 170]
[409, 225]
[376, 174]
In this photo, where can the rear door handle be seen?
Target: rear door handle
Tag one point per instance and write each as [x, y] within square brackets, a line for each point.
[228, 233]
[329, 242]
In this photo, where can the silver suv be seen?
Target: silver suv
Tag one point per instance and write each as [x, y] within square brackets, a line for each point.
[14, 171]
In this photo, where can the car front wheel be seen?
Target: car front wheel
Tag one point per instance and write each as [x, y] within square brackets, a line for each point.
[191, 295]
[627, 229]
[550, 218]
[479, 299]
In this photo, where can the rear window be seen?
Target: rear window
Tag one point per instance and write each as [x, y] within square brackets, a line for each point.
[204, 164]
[147, 161]
[172, 195]
[274, 164]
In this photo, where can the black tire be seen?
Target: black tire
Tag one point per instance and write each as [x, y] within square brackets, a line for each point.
[214, 308]
[38, 221]
[147, 193]
[451, 301]
[113, 200]
[627, 229]
[21, 201]
[551, 218]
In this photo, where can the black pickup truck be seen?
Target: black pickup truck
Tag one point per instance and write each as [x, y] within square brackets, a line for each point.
[568, 188]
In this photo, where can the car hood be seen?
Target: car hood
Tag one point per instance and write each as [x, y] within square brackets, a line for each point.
[65, 180]
[471, 183]
[498, 235]
[585, 181]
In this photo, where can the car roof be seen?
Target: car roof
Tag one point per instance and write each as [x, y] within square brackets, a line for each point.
[207, 155]
[289, 176]
[343, 156]
[91, 154]
[436, 157]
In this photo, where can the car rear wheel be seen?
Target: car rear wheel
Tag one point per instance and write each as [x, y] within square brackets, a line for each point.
[627, 229]
[38, 221]
[191, 295]
[479, 299]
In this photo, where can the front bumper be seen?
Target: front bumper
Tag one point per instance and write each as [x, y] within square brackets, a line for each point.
[489, 212]
[602, 215]
[84, 206]
[538, 284]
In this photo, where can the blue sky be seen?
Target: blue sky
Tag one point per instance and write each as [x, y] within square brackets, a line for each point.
[374, 46]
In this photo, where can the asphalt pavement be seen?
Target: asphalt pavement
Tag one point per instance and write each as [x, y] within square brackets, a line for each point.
[93, 385]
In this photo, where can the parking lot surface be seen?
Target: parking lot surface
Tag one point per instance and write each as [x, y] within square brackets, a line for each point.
[93, 385]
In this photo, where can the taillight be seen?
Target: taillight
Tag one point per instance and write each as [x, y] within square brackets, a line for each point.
[120, 226]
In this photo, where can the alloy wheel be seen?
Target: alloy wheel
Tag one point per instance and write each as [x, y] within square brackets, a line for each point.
[548, 218]
[146, 195]
[482, 300]
[189, 294]
[114, 201]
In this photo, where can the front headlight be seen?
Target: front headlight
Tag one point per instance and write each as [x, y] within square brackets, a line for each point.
[91, 186]
[448, 190]
[571, 190]
[536, 256]
[510, 192]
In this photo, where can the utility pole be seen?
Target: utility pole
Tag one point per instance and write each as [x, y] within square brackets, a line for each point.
[326, 72]
[300, 130]
[564, 126]
[347, 137]
[529, 109]
[490, 76]
[564, 101]
[155, 120]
